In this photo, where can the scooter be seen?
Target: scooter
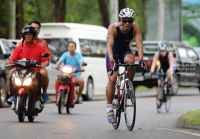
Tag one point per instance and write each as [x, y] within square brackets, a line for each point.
[25, 86]
[65, 85]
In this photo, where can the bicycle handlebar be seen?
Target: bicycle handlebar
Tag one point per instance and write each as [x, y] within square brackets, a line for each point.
[126, 65]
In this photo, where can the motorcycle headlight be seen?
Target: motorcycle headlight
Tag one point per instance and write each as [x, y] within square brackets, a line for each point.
[18, 81]
[67, 70]
[27, 81]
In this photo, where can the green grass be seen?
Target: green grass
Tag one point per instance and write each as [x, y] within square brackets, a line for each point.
[192, 117]
[143, 88]
[51, 97]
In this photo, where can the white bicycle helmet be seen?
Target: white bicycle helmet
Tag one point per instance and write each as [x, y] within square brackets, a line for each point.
[126, 12]
[162, 47]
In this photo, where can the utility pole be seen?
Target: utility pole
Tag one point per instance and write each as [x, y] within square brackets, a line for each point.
[180, 21]
[12, 24]
[114, 11]
[161, 19]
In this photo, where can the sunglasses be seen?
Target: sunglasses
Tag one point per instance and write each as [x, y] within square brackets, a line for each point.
[129, 21]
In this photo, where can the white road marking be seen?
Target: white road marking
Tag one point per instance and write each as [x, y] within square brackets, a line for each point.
[195, 134]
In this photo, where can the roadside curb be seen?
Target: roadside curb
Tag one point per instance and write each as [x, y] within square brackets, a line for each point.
[180, 124]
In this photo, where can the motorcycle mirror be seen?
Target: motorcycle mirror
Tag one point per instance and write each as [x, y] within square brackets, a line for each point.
[6, 55]
[84, 64]
[45, 55]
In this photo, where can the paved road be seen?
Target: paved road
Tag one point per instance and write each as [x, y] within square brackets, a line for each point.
[88, 121]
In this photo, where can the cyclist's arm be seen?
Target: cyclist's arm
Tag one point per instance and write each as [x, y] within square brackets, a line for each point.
[110, 40]
[156, 56]
[138, 39]
[171, 61]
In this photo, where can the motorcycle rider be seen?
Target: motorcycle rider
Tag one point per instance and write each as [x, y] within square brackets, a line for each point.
[30, 50]
[43, 71]
[74, 59]
[166, 60]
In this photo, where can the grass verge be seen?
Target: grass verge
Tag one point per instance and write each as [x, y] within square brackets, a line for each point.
[192, 117]
[143, 88]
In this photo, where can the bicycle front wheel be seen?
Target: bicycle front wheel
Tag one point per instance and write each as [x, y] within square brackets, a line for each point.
[167, 102]
[129, 105]
[159, 101]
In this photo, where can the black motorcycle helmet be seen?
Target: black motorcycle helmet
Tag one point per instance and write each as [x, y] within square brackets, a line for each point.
[30, 29]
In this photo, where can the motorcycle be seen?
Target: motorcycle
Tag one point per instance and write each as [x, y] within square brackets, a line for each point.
[65, 85]
[25, 86]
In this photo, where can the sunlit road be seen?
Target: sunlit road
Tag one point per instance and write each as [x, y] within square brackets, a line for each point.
[88, 121]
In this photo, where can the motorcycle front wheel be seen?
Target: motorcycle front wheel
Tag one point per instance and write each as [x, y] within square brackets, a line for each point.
[21, 106]
[61, 103]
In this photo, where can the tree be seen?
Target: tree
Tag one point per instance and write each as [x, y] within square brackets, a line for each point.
[19, 18]
[104, 13]
[59, 10]
[122, 4]
[4, 18]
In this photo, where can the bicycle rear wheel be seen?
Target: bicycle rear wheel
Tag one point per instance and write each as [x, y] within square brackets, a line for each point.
[129, 105]
[167, 102]
[117, 112]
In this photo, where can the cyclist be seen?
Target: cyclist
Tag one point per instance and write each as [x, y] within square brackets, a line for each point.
[43, 71]
[166, 61]
[119, 36]
[74, 59]
[29, 50]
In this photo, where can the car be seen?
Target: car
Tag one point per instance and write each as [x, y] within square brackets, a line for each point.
[186, 61]
[197, 49]
[5, 47]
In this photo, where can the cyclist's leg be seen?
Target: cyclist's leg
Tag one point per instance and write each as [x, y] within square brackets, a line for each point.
[110, 90]
[129, 58]
[160, 95]
[159, 89]
[170, 81]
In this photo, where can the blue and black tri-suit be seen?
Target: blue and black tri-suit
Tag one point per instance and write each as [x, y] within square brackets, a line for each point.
[121, 46]
[164, 62]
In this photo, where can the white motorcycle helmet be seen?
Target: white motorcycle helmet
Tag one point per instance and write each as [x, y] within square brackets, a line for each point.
[126, 12]
[162, 47]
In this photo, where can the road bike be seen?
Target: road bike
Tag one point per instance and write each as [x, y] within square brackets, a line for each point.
[124, 98]
[166, 95]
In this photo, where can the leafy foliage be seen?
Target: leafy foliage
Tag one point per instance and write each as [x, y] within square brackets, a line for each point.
[5, 16]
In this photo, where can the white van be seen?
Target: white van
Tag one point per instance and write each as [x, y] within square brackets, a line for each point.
[91, 43]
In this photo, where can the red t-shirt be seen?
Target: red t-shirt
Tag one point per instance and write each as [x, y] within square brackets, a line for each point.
[44, 44]
[32, 52]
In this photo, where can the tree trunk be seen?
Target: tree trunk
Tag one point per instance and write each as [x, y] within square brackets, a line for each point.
[122, 4]
[63, 10]
[59, 10]
[144, 18]
[38, 10]
[19, 19]
[104, 13]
